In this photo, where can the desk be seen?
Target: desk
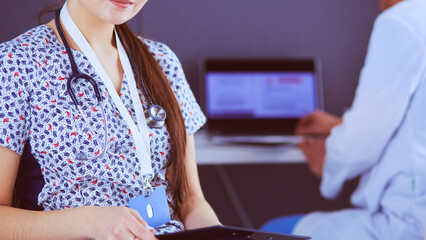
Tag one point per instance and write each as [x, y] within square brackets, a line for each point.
[270, 181]
[208, 152]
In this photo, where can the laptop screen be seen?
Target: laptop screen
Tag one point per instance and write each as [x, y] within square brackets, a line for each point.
[242, 95]
[260, 94]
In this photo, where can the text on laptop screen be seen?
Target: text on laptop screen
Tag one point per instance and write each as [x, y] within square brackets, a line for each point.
[257, 95]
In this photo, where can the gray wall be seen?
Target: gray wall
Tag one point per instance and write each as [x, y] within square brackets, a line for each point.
[335, 30]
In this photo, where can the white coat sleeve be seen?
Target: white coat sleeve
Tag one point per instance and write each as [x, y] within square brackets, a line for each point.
[393, 69]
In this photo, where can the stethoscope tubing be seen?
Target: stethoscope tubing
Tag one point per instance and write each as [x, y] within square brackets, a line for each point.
[155, 114]
[77, 75]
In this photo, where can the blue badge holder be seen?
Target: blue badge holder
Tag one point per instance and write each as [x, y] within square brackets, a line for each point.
[154, 208]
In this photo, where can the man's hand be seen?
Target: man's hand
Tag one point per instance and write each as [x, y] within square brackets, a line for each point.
[317, 123]
[314, 151]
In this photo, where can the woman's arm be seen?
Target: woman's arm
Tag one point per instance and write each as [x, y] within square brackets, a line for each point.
[196, 211]
[77, 223]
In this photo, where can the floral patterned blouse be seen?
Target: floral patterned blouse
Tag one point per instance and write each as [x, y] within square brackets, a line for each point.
[35, 107]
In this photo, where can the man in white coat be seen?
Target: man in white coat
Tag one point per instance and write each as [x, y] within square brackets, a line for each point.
[381, 139]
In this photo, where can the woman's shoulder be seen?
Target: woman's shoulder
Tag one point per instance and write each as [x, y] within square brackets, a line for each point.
[155, 46]
[25, 50]
[167, 60]
[26, 42]
[160, 51]
[21, 55]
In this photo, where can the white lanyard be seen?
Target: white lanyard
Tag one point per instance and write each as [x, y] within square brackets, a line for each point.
[144, 154]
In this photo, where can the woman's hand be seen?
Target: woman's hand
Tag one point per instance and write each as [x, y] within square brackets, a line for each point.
[317, 123]
[119, 223]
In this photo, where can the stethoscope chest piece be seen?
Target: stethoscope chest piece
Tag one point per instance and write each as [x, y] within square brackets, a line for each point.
[155, 116]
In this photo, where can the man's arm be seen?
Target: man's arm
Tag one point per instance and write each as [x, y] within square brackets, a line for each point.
[392, 71]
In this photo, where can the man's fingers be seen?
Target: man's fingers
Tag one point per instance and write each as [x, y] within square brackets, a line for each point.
[303, 123]
[310, 125]
[304, 146]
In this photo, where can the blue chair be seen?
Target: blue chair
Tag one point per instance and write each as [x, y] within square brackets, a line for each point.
[284, 224]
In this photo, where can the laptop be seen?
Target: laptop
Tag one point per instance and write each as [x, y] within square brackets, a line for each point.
[259, 100]
[220, 232]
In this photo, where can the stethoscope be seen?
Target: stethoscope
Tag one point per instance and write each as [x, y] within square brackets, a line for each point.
[155, 115]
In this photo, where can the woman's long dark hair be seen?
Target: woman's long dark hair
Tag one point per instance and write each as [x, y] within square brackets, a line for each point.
[157, 85]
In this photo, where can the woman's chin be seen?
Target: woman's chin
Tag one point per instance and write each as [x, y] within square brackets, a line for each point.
[117, 20]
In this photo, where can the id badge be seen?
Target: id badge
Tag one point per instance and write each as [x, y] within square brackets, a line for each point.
[154, 209]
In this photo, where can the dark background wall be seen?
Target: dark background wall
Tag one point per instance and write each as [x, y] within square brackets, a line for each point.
[335, 30]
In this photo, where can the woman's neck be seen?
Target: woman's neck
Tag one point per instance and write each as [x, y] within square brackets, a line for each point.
[98, 33]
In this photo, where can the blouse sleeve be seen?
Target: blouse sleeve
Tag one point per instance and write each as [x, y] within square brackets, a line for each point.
[393, 69]
[14, 107]
[172, 68]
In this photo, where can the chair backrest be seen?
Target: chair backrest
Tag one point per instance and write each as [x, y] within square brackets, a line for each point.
[29, 182]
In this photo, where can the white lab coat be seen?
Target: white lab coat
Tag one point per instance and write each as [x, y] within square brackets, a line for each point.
[391, 196]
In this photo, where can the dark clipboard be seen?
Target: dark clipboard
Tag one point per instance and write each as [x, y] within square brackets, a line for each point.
[220, 232]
